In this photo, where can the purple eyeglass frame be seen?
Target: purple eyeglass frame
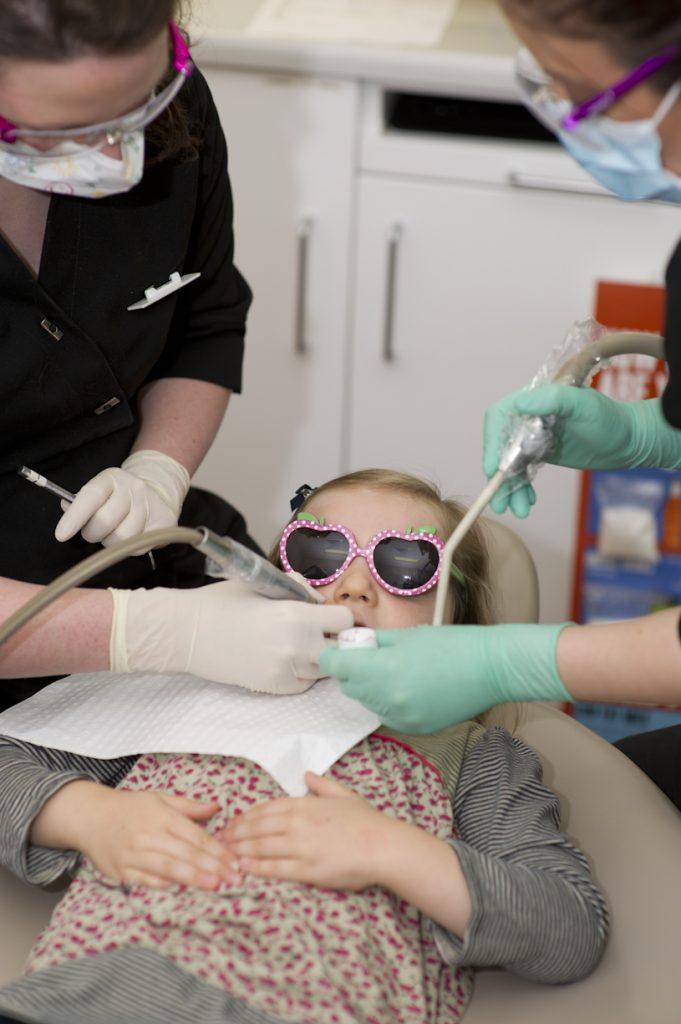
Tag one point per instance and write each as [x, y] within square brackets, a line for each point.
[354, 551]
[182, 63]
[603, 100]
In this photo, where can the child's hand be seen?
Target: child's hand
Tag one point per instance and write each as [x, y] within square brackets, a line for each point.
[333, 839]
[152, 839]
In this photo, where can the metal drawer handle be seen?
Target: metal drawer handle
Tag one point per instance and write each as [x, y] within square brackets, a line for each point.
[301, 346]
[545, 183]
[394, 238]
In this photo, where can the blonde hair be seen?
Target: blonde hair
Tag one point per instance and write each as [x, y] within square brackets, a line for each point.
[472, 602]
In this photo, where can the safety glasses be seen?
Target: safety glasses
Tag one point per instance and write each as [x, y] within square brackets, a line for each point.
[539, 94]
[406, 564]
[55, 142]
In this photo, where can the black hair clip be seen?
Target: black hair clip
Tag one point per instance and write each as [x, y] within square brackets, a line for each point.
[301, 496]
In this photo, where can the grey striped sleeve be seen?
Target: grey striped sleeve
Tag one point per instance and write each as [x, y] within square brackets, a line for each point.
[536, 910]
[29, 776]
[132, 985]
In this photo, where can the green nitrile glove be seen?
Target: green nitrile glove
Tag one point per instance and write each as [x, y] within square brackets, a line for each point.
[423, 679]
[593, 432]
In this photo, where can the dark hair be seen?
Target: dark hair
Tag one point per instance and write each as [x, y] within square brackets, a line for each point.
[631, 30]
[61, 30]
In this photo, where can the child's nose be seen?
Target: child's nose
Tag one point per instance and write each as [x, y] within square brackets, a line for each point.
[356, 584]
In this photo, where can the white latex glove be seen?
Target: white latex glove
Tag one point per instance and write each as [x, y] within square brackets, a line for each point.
[224, 632]
[146, 493]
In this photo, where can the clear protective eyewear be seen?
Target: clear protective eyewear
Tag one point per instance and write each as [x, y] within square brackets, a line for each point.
[558, 114]
[51, 142]
[406, 564]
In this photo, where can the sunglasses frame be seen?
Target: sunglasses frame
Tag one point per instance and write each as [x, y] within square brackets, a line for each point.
[355, 551]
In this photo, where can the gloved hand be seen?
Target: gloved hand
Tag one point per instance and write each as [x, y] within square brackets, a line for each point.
[423, 679]
[224, 632]
[593, 432]
[146, 493]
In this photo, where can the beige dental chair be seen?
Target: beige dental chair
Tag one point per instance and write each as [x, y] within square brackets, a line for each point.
[630, 831]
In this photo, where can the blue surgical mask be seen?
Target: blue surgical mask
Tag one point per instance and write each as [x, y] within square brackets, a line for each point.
[623, 156]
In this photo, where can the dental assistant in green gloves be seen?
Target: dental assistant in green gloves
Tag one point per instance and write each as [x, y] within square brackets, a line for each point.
[605, 76]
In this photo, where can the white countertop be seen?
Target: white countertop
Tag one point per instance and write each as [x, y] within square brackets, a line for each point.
[474, 57]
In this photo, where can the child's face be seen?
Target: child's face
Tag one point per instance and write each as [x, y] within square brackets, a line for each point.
[366, 512]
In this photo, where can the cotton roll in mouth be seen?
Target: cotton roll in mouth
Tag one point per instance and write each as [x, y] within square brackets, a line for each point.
[357, 638]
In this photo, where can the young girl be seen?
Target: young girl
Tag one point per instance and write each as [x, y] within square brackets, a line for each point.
[412, 861]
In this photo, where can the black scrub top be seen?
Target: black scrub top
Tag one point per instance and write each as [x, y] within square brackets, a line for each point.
[74, 358]
[671, 400]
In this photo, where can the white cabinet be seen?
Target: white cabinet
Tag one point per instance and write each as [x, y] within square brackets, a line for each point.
[291, 154]
[486, 281]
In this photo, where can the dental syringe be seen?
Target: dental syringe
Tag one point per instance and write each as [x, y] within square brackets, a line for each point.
[532, 440]
[39, 480]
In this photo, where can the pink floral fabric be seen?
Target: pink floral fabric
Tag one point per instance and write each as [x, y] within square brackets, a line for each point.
[293, 951]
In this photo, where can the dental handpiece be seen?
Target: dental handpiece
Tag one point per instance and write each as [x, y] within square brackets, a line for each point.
[529, 444]
[238, 562]
[532, 439]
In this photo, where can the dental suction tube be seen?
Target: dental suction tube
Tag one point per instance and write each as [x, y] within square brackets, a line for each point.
[531, 442]
[239, 562]
[236, 561]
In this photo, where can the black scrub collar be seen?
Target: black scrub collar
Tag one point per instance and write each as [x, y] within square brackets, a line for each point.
[671, 400]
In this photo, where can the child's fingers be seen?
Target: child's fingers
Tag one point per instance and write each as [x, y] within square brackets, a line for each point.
[267, 809]
[285, 869]
[135, 877]
[175, 849]
[272, 825]
[268, 848]
[178, 868]
[195, 836]
[181, 851]
[195, 809]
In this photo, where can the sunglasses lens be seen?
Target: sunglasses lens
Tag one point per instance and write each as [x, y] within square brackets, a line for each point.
[406, 564]
[316, 554]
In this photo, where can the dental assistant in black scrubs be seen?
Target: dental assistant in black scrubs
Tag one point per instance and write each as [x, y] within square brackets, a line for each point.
[113, 177]
[605, 76]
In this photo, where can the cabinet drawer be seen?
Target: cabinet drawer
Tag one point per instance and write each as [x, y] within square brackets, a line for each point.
[441, 148]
